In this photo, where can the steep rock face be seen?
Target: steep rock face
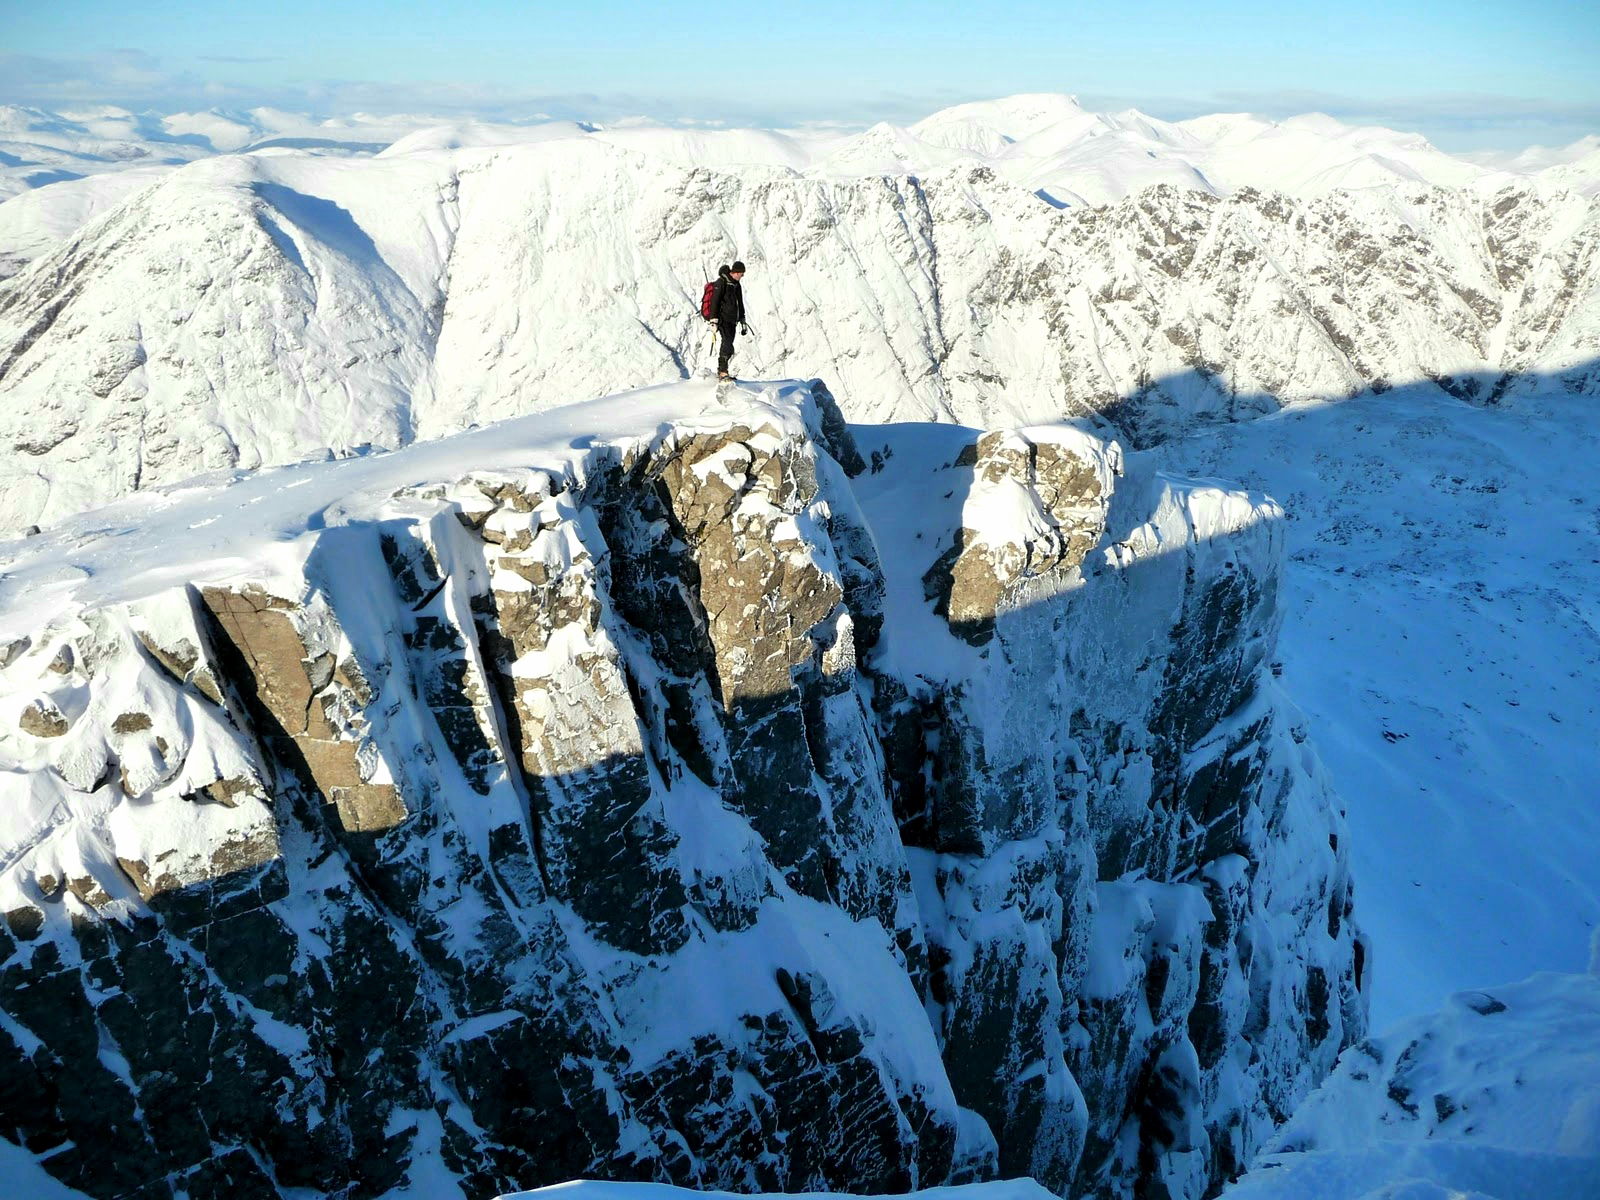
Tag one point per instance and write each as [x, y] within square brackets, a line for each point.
[664, 805]
[260, 309]
[1090, 801]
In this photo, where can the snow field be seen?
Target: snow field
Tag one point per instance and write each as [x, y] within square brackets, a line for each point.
[1442, 636]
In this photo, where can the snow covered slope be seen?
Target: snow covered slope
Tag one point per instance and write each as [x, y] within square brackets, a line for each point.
[647, 790]
[1442, 633]
[1497, 1097]
[260, 308]
[35, 222]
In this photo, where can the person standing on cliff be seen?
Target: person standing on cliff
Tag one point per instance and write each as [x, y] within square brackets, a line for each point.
[726, 306]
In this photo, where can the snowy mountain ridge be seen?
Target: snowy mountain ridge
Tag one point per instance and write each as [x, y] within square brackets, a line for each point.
[1046, 140]
[570, 798]
[1047, 143]
[292, 303]
[259, 308]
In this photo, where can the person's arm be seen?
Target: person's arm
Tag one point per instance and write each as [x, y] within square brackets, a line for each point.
[720, 286]
[741, 304]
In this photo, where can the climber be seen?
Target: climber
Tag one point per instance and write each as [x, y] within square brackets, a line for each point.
[723, 306]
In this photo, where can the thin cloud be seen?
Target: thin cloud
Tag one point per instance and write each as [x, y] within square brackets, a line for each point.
[109, 76]
[138, 80]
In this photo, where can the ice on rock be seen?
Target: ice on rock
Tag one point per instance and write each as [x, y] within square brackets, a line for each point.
[654, 790]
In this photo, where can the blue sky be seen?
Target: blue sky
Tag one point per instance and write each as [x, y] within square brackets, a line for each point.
[1470, 74]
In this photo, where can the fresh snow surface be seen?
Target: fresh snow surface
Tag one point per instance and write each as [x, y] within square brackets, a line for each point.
[1442, 635]
[23, 1177]
[1497, 1097]
[910, 524]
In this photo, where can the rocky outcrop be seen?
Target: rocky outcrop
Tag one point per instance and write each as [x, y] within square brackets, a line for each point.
[670, 805]
[1115, 955]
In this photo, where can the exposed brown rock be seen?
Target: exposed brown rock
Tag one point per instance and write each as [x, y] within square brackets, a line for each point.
[25, 923]
[227, 792]
[981, 573]
[179, 659]
[43, 720]
[131, 722]
[259, 626]
[298, 690]
[760, 590]
[88, 889]
[368, 807]
[169, 873]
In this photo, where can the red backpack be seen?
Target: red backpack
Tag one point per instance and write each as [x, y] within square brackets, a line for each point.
[708, 301]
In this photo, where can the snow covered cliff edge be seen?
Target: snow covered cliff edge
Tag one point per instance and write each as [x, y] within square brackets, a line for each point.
[660, 789]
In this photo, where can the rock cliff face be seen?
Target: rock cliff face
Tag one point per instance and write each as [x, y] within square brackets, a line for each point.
[701, 801]
[254, 310]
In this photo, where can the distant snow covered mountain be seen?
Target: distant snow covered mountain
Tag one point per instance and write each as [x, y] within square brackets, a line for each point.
[1047, 141]
[39, 148]
[257, 308]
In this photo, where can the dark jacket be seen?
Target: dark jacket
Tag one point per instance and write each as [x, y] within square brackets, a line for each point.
[727, 300]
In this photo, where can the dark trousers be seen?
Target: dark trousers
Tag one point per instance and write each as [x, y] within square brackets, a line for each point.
[726, 328]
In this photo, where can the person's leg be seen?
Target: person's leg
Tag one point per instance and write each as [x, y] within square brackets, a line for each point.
[726, 328]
